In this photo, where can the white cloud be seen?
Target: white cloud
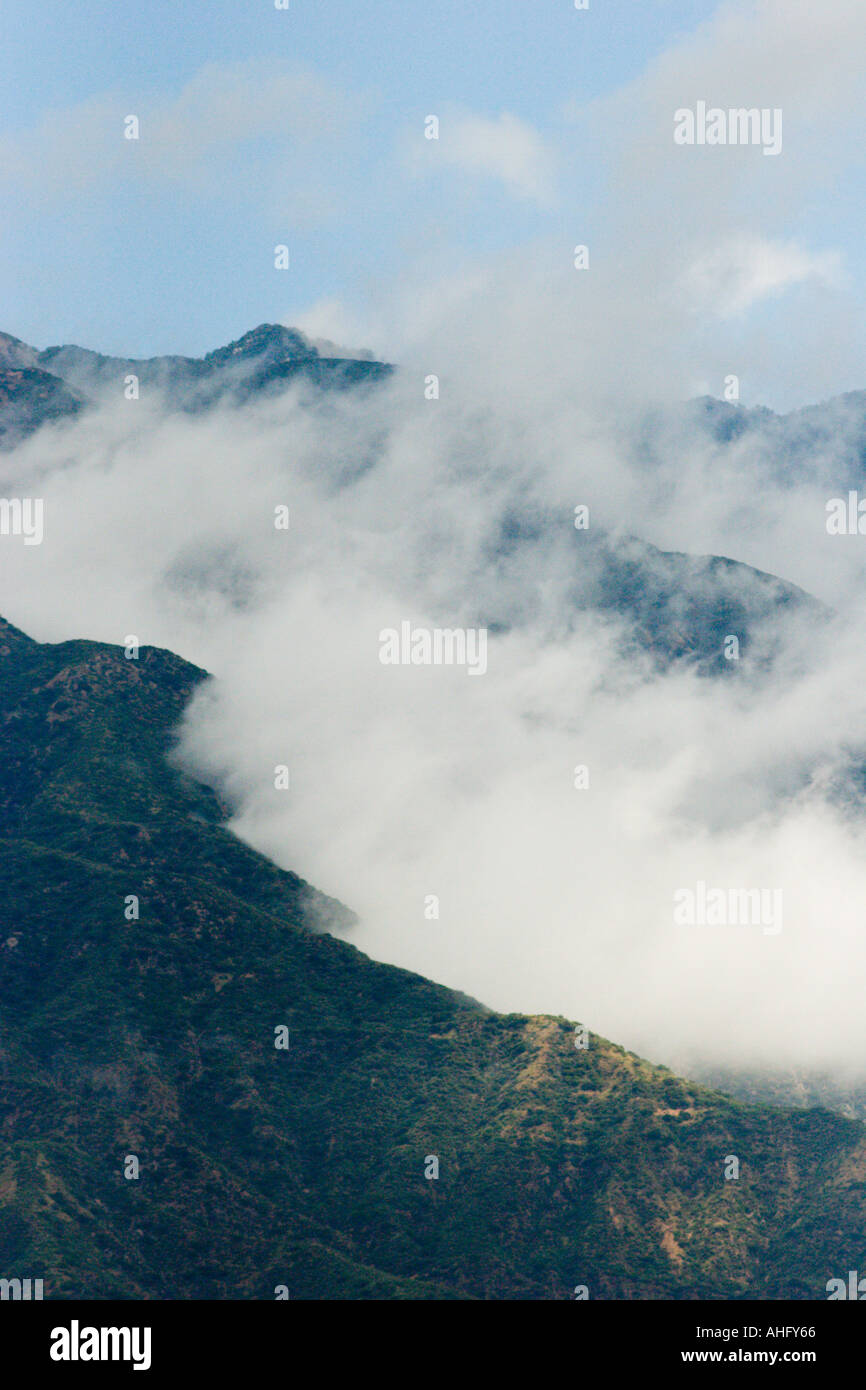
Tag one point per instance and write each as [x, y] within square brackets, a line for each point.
[503, 148]
[409, 782]
[333, 328]
[729, 279]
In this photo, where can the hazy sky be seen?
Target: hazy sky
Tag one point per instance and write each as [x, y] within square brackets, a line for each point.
[305, 127]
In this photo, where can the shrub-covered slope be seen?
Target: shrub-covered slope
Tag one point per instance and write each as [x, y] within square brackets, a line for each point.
[304, 1166]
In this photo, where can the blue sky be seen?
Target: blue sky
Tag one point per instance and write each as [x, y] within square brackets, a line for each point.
[150, 271]
[304, 127]
[493, 52]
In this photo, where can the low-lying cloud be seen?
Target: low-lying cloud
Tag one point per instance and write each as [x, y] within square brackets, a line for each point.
[524, 836]
[521, 836]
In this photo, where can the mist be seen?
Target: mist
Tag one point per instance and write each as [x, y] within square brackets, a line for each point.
[557, 388]
[415, 783]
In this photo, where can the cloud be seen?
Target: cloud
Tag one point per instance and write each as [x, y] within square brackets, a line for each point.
[501, 148]
[250, 120]
[331, 326]
[409, 782]
[729, 279]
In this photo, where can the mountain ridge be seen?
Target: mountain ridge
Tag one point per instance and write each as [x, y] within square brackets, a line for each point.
[38, 386]
[153, 1038]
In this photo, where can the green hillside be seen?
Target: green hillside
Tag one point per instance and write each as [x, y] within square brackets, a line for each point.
[305, 1166]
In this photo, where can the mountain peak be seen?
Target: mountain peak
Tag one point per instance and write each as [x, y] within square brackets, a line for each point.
[16, 354]
[12, 638]
[269, 341]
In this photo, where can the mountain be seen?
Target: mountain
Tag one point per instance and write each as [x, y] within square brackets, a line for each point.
[803, 1087]
[29, 398]
[265, 359]
[826, 441]
[673, 608]
[823, 443]
[153, 1038]
[15, 354]
[40, 386]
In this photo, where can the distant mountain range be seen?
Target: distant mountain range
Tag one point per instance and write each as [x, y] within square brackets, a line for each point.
[405, 1142]
[40, 385]
[678, 607]
[37, 387]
